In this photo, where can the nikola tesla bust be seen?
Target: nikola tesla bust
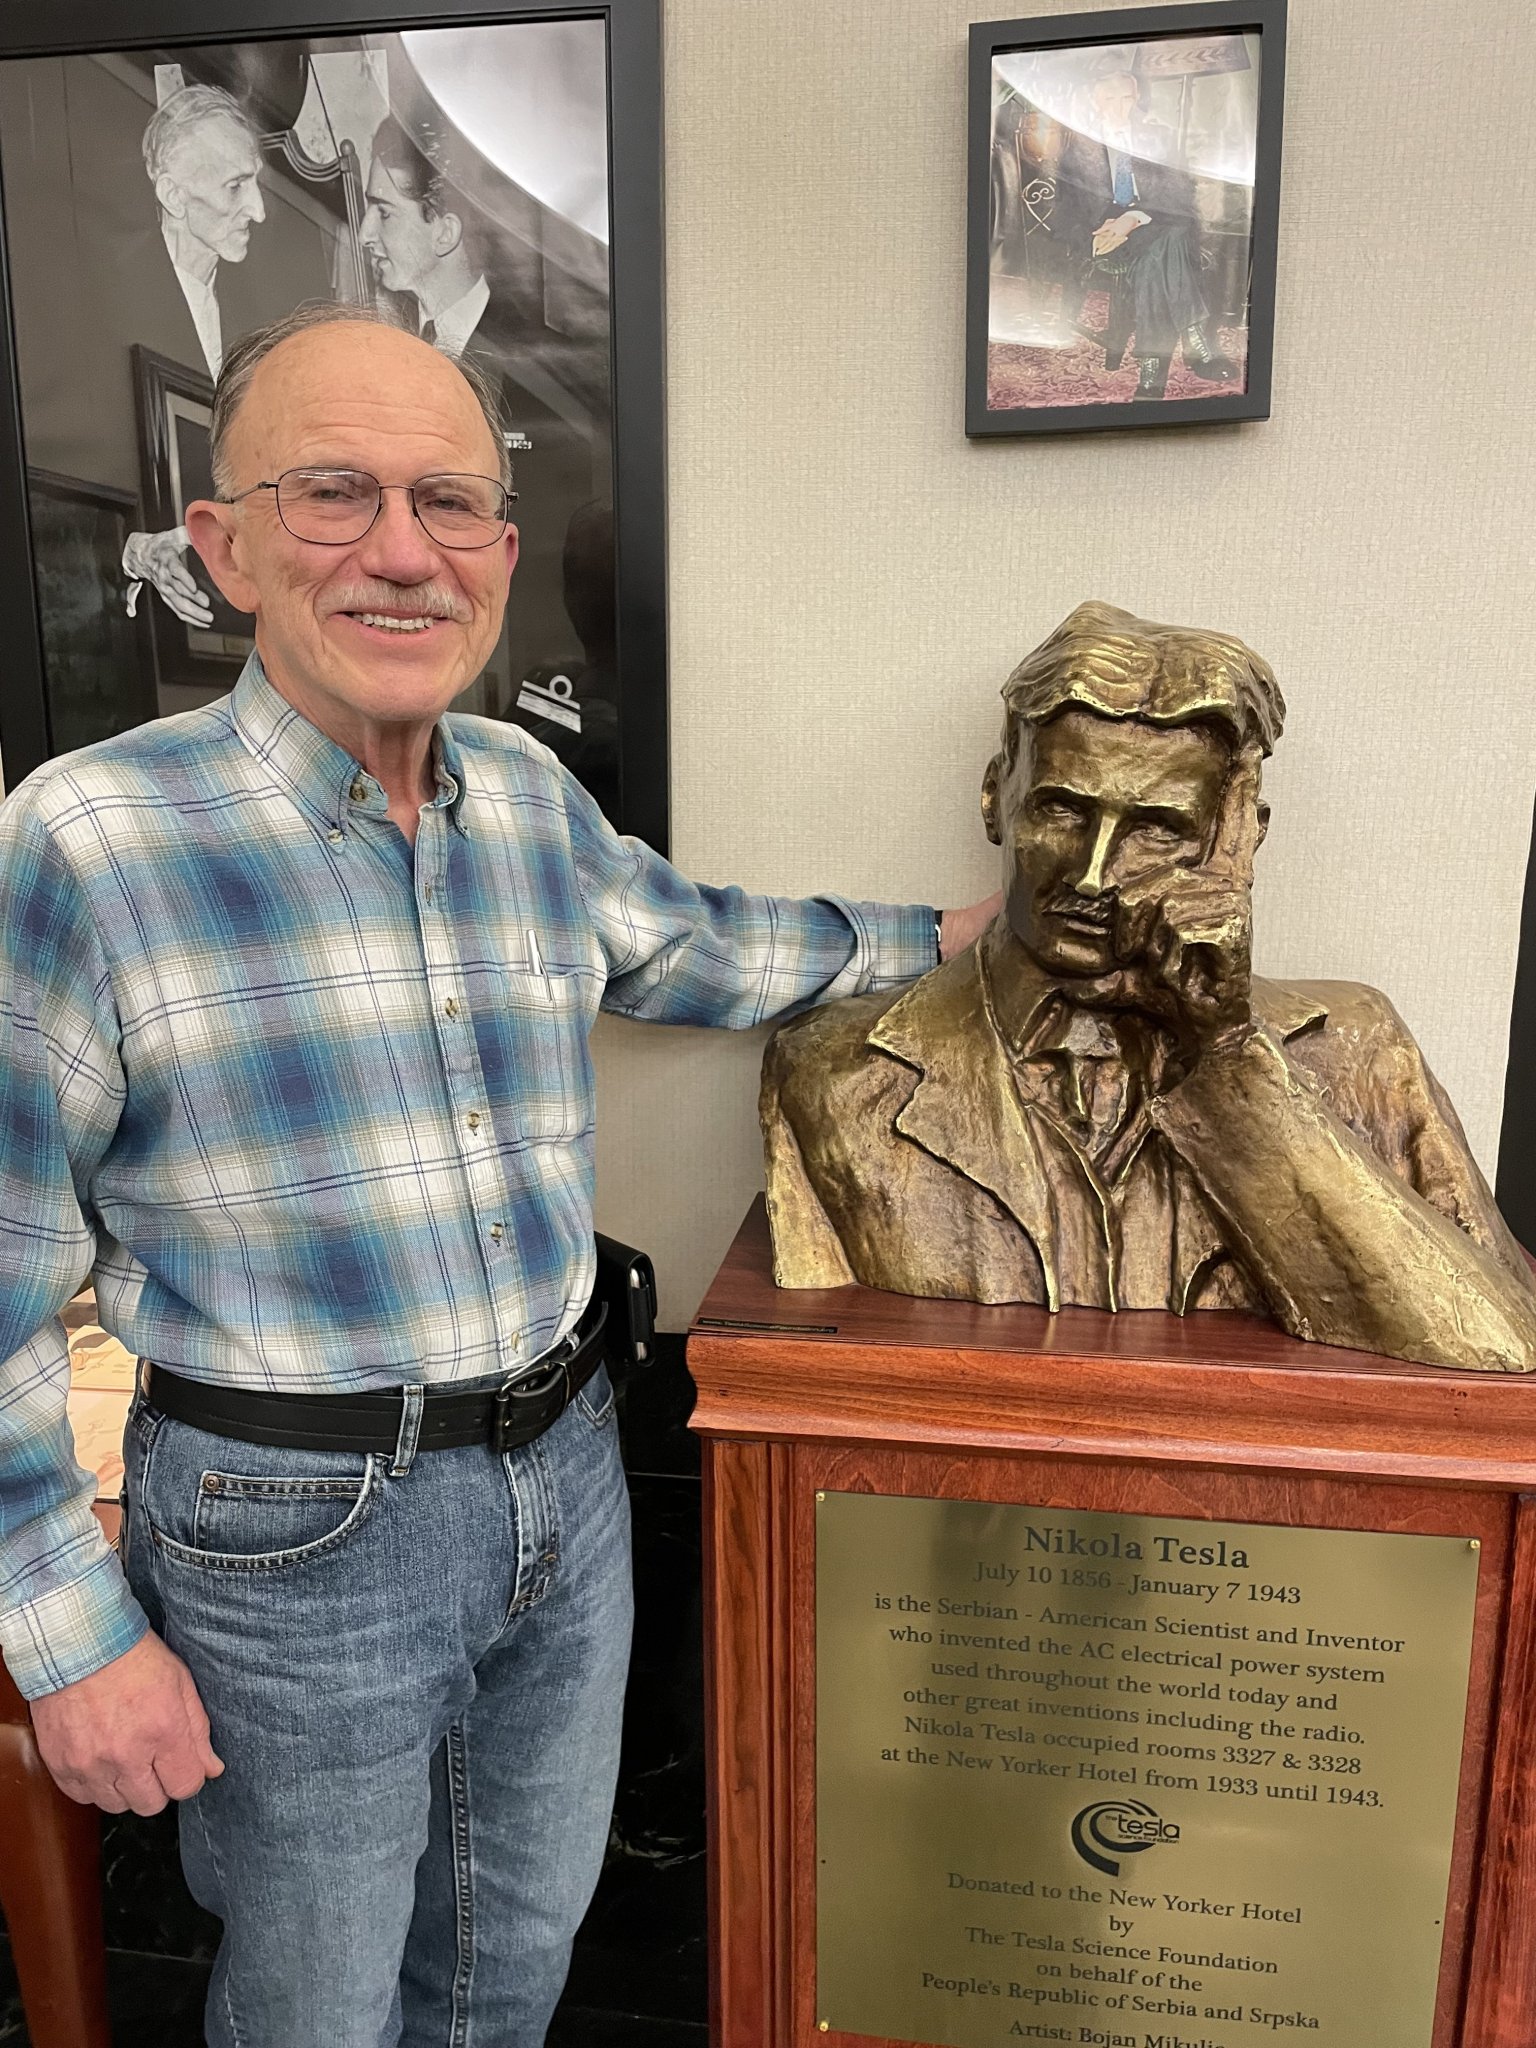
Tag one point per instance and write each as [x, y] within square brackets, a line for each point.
[1100, 1104]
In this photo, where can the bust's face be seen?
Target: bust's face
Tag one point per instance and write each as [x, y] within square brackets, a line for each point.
[1092, 805]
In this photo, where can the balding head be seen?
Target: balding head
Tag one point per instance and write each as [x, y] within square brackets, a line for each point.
[319, 317]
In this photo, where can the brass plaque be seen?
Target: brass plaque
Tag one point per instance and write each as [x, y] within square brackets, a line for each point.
[1133, 1782]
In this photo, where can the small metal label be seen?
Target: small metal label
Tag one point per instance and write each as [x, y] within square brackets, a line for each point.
[1133, 1782]
[791, 1329]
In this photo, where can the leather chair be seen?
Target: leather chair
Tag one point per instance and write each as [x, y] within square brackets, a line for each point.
[50, 1885]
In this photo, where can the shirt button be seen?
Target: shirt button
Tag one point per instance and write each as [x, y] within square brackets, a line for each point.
[473, 1120]
[451, 1007]
[495, 1233]
[359, 791]
[336, 836]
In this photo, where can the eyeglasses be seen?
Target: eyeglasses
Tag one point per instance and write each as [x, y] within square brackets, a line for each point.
[334, 507]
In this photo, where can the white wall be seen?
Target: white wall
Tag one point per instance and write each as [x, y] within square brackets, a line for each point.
[852, 579]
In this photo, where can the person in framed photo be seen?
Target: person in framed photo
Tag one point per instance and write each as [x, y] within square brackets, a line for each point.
[1126, 210]
[370, 1621]
[203, 161]
[418, 234]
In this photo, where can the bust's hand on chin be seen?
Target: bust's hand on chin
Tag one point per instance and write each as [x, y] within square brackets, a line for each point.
[1187, 932]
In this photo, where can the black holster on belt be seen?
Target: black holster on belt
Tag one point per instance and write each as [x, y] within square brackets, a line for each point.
[626, 1282]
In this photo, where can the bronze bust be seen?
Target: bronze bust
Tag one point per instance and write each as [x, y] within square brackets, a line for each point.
[1099, 1104]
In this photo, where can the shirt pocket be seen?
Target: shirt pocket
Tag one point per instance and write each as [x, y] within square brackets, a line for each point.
[546, 1018]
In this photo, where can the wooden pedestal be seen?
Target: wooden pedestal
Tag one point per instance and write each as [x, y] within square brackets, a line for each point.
[1215, 1416]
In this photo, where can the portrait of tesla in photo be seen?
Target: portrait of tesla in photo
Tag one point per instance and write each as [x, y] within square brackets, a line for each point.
[161, 203]
[1121, 220]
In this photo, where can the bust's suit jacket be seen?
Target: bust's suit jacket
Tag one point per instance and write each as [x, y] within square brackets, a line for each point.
[1318, 1170]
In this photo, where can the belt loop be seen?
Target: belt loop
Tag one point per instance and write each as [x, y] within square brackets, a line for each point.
[411, 1399]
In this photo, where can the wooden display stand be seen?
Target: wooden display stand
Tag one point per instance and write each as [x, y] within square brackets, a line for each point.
[1215, 1416]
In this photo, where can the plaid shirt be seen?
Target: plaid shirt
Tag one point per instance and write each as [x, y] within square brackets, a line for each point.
[315, 1111]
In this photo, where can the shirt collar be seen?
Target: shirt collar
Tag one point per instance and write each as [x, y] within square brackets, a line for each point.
[319, 774]
[456, 323]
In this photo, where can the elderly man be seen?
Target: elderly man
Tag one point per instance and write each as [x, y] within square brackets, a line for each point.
[204, 162]
[1101, 1105]
[295, 1008]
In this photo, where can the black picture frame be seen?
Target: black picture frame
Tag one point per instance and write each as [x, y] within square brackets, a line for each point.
[989, 39]
[78, 531]
[44, 28]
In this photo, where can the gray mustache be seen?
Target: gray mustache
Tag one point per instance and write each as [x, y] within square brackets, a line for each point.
[420, 600]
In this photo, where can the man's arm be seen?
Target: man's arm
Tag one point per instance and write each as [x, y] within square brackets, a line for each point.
[1402, 1253]
[681, 953]
[1345, 1250]
[117, 1717]
[64, 1609]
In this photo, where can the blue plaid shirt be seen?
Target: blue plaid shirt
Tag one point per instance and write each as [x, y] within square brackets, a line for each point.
[316, 1110]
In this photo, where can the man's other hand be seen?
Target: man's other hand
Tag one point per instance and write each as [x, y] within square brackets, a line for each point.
[132, 1735]
[160, 559]
[1114, 233]
[961, 928]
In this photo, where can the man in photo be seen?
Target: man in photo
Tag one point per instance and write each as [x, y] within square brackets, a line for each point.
[1126, 212]
[416, 235]
[203, 159]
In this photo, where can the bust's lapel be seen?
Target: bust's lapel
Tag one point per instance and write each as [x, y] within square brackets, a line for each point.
[965, 1110]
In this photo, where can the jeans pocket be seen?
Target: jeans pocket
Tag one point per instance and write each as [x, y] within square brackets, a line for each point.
[229, 1506]
[595, 1399]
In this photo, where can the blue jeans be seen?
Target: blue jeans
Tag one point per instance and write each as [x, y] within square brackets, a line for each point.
[414, 1669]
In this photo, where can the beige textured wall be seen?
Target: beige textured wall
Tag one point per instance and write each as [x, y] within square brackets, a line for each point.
[851, 579]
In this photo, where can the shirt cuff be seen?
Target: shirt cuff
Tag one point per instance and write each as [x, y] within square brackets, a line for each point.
[72, 1631]
[905, 942]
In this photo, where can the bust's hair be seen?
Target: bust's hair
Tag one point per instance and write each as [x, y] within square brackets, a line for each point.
[1108, 661]
[182, 112]
[246, 356]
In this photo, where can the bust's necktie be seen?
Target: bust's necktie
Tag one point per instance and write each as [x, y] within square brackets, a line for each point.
[1124, 181]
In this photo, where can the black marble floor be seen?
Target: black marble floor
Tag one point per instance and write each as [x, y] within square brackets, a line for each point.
[638, 1977]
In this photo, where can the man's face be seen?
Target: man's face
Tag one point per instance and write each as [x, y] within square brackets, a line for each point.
[367, 398]
[211, 185]
[1115, 100]
[1092, 805]
[399, 236]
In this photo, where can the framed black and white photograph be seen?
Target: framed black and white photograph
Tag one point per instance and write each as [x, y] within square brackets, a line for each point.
[181, 172]
[1124, 184]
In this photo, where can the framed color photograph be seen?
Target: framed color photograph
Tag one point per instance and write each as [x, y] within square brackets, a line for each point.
[178, 173]
[1123, 196]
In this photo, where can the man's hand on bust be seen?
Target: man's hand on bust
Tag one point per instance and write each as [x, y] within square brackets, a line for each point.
[961, 928]
[132, 1735]
[1189, 930]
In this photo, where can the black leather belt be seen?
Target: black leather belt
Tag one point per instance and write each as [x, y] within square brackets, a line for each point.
[506, 1417]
